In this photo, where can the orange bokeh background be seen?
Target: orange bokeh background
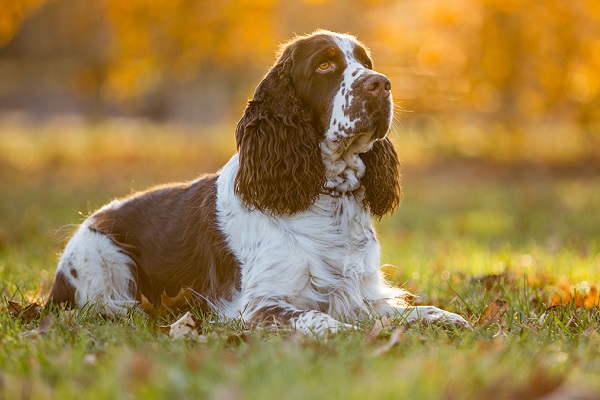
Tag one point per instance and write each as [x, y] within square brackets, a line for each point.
[493, 78]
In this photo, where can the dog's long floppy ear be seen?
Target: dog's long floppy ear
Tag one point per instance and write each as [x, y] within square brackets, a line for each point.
[280, 168]
[382, 178]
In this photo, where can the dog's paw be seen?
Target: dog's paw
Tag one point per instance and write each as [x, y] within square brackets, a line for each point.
[429, 315]
[442, 317]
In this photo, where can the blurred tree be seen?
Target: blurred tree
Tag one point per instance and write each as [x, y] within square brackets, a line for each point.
[512, 61]
[12, 13]
[508, 63]
[158, 39]
[538, 57]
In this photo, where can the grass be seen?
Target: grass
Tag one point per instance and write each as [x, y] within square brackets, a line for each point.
[469, 231]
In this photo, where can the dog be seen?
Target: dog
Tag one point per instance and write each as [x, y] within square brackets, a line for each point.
[283, 232]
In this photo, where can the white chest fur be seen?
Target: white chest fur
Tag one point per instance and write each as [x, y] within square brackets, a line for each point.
[317, 259]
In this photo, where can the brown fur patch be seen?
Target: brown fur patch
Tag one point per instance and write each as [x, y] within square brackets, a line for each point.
[171, 234]
[62, 292]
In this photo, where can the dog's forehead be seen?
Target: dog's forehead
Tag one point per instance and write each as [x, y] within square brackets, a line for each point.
[346, 45]
[351, 48]
[331, 42]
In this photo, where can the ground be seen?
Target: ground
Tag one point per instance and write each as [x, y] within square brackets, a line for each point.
[469, 231]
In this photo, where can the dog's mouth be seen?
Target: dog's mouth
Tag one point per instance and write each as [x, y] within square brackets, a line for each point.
[366, 114]
[380, 114]
[369, 127]
[355, 144]
[374, 121]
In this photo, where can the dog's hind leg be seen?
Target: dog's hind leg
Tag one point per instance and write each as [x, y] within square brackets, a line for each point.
[94, 272]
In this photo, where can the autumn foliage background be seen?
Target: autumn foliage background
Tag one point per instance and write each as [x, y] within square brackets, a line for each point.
[500, 79]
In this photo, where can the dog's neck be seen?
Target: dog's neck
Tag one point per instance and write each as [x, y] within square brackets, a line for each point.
[343, 165]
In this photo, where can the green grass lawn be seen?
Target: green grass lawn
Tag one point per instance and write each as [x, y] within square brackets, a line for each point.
[468, 232]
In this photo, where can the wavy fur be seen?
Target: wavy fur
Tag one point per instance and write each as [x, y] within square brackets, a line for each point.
[280, 162]
[382, 178]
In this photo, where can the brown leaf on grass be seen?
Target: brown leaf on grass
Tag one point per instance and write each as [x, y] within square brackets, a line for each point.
[185, 327]
[14, 308]
[25, 314]
[379, 326]
[44, 327]
[581, 296]
[493, 312]
[148, 307]
[184, 301]
[592, 299]
[392, 341]
[492, 281]
[540, 383]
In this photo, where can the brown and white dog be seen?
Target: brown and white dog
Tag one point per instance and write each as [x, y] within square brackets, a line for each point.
[283, 232]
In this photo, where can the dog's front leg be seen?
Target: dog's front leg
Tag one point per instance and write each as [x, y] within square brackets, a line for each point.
[309, 322]
[422, 314]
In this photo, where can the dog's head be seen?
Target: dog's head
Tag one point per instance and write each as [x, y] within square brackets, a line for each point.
[321, 102]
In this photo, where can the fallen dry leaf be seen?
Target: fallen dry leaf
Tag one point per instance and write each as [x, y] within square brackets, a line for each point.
[492, 281]
[44, 327]
[493, 312]
[14, 308]
[582, 296]
[379, 326]
[592, 299]
[25, 314]
[392, 341]
[185, 327]
[540, 383]
[182, 327]
[148, 307]
[185, 300]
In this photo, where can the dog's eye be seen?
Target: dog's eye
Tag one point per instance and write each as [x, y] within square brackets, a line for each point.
[367, 65]
[325, 66]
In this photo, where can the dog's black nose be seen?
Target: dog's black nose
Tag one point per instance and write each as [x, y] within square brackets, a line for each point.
[377, 85]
